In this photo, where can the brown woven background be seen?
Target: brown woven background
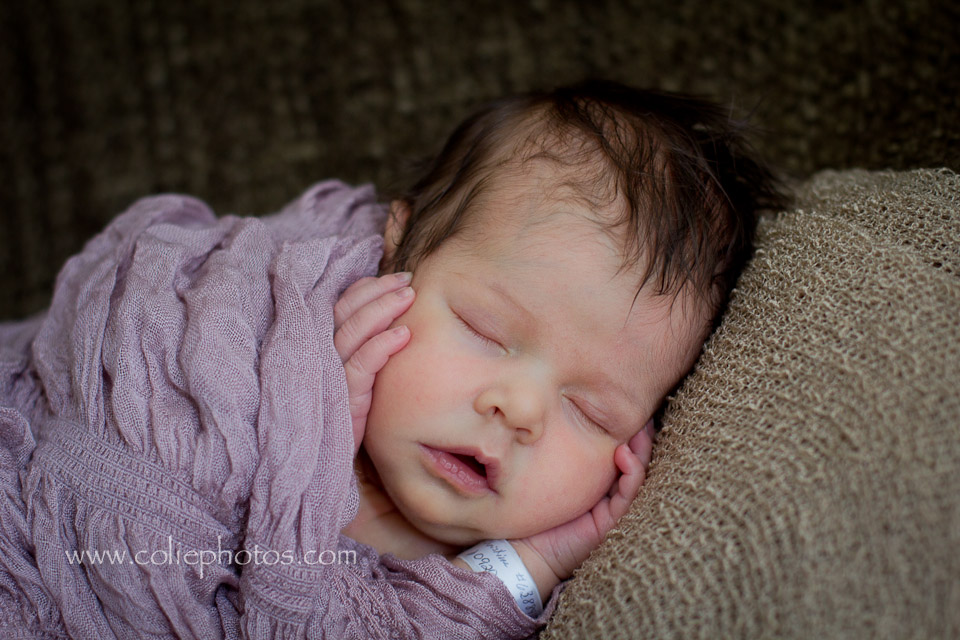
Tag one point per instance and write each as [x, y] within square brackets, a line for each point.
[806, 483]
[246, 103]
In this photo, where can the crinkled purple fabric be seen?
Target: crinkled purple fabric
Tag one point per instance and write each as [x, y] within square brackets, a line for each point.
[182, 393]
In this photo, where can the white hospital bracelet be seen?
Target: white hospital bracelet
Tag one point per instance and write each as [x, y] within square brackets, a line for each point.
[499, 558]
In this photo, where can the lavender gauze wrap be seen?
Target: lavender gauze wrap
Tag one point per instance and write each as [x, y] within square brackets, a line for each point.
[183, 394]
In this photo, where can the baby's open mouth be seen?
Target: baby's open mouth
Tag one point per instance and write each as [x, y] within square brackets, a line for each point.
[473, 463]
[466, 469]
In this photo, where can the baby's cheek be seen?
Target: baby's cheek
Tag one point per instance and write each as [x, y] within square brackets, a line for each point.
[600, 474]
[425, 377]
[589, 472]
[599, 478]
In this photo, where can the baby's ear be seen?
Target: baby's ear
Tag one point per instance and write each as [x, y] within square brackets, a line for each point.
[393, 232]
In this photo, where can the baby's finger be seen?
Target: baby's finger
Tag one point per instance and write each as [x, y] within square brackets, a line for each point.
[642, 443]
[371, 319]
[628, 484]
[361, 371]
[364, 291]
[363, 367]
[628, 461]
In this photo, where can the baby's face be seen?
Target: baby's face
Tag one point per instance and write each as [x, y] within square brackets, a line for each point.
[529, 361]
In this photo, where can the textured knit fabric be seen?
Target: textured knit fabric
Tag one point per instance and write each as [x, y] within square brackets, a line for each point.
[182, 395]
[807, 480]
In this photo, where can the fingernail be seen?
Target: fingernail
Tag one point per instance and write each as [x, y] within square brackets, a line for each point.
[404, 277]
[402, 329]
[406, 292]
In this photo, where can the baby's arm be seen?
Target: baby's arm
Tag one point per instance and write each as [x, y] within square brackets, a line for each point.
[361, 317]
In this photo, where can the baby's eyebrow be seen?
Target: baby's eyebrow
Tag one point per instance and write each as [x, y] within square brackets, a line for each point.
[511, 301]
[617, 404]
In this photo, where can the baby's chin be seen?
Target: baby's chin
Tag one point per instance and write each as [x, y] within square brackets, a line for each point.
[439, 528]
[443, 530]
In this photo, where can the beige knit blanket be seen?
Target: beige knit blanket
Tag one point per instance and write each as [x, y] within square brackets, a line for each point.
[807, 480]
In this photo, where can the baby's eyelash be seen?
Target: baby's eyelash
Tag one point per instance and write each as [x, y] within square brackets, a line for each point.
[476, 333]
[586, 417]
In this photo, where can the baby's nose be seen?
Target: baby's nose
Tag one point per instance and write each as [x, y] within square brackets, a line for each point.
[524, 413]
[519, 404]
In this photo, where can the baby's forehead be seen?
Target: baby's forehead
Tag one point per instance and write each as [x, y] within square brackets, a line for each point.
[534, 227]
[557, 185]
[540, 213]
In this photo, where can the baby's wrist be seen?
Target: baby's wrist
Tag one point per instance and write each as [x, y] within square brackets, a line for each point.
[543, 574]
[524, 572]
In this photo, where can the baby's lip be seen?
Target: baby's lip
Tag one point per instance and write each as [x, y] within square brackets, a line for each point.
[490, 463]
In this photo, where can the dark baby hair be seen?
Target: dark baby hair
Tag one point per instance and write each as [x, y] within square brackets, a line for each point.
[691, 184]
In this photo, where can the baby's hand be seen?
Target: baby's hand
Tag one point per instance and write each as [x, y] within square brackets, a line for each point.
[360, 319]
[564, 548]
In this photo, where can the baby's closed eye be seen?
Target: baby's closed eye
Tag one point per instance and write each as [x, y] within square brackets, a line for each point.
[479, 334]
[586, 418]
